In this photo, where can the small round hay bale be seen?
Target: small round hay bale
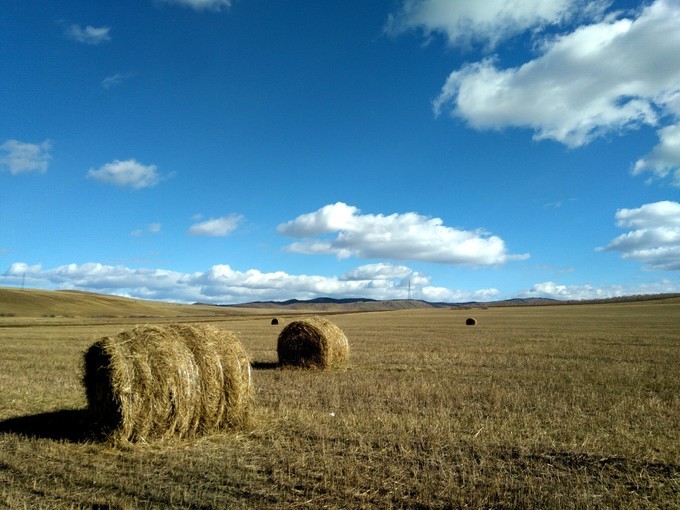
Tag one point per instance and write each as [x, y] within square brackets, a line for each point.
[470, 321]
[174, 381]
[314, 342]
[275, 321]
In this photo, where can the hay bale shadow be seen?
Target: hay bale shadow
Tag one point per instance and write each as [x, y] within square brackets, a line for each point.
[264, 365]
[69, 425]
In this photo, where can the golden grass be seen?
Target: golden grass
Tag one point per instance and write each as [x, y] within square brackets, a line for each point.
[59, 304]
[537, 407]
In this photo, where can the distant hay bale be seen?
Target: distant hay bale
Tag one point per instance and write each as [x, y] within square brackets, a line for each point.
[174, 381]
[470, 321]
[275, 322]
[314, 342]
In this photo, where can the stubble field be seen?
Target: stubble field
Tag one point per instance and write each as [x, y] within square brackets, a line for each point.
[571, 406]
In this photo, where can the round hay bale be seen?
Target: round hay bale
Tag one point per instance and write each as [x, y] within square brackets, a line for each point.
[174, 381]
[470, 321]
[275, 322]
[314, 342]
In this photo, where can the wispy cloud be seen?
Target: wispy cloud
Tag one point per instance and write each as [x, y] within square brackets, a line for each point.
[21, 157]
[114, 80]
[408, 236]
[216, 227]
[465, 21]
[202, 5]
[128, 173]
[88, 35]
[151, 228]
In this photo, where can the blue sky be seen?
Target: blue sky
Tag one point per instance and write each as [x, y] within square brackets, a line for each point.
[229, 151]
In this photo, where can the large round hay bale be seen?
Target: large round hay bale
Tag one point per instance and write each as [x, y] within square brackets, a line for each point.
[314, 342]
[275, 321]
[156, 382]
[470, 321]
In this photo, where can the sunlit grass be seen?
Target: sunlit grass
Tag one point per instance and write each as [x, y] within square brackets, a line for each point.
[536, 407]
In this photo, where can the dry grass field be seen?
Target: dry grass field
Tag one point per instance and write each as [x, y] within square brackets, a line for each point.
[571, 406]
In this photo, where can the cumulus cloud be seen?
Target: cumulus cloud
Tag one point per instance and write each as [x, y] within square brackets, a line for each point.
[444, 295]
[655, 238]
[380, 271]
[21, 157]
[129, 173]
[491, 21]
[562, 292]
[219, 284]
[554, 290]
[408, 236]
[664, 159]
[89, 34]
[202, 5]
[217, 227]
[605, 77]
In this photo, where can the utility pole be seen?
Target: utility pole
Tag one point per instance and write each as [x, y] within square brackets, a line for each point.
[409, 289]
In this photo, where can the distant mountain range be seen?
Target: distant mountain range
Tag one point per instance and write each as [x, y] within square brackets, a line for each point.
[363, 304]
[329, 304]
[68, 304]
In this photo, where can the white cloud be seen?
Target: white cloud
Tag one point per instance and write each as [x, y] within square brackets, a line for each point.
[554, 290]
[129, 173]
[217, 227]
[656, 239]
[221, 284]
[151, 228]
[202, 5]
[89, 34]
[408, 236]
[19, 269]
[664, 159]
[601, 78]
[380, 271]
[20, 157]
[463, 21]
[114, 80]
[444, 295]
[657, 214]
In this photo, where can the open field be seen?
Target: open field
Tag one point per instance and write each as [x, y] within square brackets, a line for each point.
[574, 406]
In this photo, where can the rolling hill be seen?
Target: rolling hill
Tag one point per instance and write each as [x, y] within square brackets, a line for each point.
[69, 303]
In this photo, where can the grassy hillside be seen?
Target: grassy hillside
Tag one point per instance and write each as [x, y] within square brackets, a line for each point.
[66, 303]
[32, 303]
